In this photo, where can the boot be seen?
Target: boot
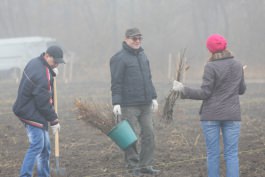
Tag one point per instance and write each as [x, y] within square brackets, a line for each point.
[149, 170]
[135, 172]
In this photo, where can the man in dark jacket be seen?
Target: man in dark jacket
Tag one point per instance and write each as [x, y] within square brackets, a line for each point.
[34, 107]
[133, 97]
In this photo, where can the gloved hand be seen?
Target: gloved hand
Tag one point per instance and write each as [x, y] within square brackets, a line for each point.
[117, 110]
[154, 105]
[55, 128]
[178, 86]
[56, 71]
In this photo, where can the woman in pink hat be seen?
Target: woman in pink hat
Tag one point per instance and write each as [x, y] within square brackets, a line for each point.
[223, 82]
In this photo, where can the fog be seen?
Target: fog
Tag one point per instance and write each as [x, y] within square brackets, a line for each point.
[93, 30]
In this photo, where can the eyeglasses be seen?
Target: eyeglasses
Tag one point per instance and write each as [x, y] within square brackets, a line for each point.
[136, 38]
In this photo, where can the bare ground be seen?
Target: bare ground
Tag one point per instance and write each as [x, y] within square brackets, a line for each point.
[86, 152]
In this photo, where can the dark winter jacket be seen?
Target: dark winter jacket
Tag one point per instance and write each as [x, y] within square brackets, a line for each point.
[223, 82]
[131, 80]
[34, 103]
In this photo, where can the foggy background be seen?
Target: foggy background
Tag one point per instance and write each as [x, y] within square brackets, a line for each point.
[93, 30]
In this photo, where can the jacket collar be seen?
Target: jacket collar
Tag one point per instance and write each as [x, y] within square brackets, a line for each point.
[46, 64]
[221, 55]
[131, 50]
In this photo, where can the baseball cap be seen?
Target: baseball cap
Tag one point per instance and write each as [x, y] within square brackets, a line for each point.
[57, 53]
[133, 32]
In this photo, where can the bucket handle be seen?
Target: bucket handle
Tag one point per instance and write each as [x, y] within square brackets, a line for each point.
[117, 118]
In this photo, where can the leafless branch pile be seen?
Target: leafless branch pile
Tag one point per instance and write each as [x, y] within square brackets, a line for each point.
[174, 95]
[97, 115]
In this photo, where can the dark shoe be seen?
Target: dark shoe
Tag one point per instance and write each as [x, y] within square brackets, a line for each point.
[150, 170]
[136, 172]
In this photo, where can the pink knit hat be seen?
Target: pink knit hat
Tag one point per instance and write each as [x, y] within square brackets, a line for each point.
[216, 43]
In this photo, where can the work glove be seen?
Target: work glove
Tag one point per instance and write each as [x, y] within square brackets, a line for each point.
[117, 110]
[154, 105]
[178, 86]
[55, 128]
[56, 71]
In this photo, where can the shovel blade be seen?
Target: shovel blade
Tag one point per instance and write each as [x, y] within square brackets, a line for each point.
[61, 172]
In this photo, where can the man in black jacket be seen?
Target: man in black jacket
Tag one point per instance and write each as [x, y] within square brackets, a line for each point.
[35, 108]
[133, 97]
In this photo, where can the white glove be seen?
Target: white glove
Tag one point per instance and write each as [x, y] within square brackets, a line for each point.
[56, 71]
[154, 105]
[117, 110]
[55, 128]
[178, 86]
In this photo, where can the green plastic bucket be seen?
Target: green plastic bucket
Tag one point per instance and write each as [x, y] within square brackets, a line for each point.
[123, 135]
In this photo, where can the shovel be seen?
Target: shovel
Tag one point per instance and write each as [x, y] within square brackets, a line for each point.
[57, 172]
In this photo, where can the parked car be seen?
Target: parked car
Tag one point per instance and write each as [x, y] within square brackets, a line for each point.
[16, 52]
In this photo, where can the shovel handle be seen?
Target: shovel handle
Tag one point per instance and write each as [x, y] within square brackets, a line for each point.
[57, 152]
[56, 138]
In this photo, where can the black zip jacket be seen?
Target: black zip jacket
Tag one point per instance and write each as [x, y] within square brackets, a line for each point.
[131, 79]
[34, 103]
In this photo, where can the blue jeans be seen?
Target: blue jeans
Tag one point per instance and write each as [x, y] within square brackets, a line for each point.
[39, 150]
[230, 132]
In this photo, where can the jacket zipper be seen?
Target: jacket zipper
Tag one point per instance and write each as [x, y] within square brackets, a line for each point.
[140, 66]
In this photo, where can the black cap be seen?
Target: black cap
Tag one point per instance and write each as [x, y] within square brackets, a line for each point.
[133, 32]
[56, 52]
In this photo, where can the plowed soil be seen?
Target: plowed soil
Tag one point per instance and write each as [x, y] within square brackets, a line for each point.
[86, 152]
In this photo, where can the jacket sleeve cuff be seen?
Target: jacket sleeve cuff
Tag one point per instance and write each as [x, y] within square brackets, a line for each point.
[116, 100]
[56, 121]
